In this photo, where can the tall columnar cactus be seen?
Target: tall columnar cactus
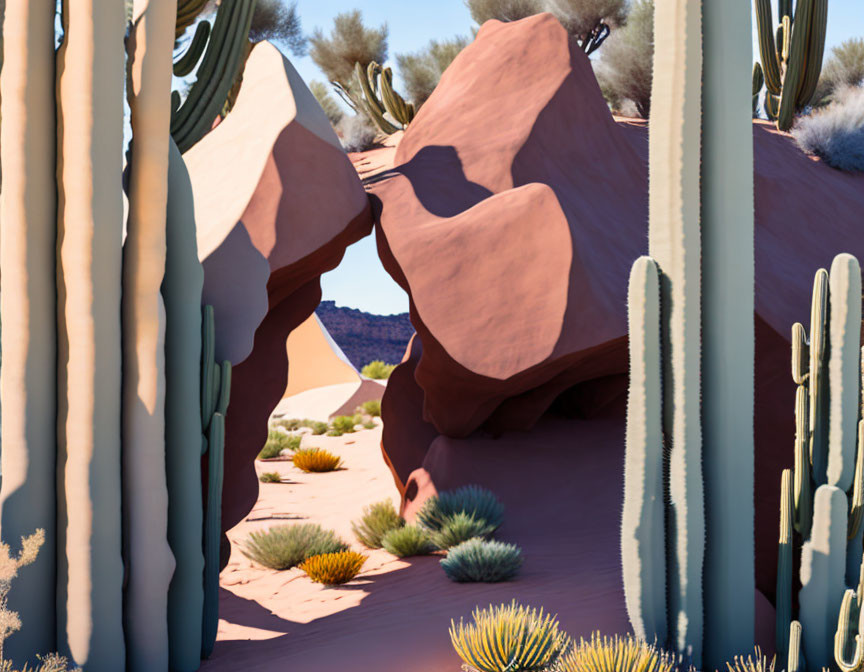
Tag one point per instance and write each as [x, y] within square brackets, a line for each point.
[28, 499]
[215, 397]
[89, 229]
[829, 463]
[702, 303]
[758, 83]
[227, 49]
[375, 81]
[791, 54]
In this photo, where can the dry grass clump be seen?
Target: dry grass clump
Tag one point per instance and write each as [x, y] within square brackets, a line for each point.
[408, 540]
[316, 460]
[377, 520]
[277, 441]
[333, 569]
[482, 561]
[377, 370]
[616, 654]
[270, 477]
[285, 546]
[836, 133]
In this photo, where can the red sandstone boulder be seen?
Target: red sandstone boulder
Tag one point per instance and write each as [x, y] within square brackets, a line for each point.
[277, 201]
[513, 214]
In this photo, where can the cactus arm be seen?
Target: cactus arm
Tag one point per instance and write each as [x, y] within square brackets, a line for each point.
[818, 386]
[784, 566]
[795, 659]
[758, 83]
[793, 78]
[643, 538]
[213, 531]
[800, 353]
[189, 60]
[767, 47]
[187, 12]
[823, 574]
[844, 374]
[849, 625]
[803, 480]
[815, 52]
[856, 509]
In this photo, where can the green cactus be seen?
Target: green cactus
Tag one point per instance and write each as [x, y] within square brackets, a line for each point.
[223, 60]
[374, 81]
[187, 12]
[215, 397]
[758, 83]
[643, 537]
[791, 55]
[190, 58]
[848, 643]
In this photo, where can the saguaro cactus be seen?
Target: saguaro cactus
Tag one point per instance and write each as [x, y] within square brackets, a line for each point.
[701, 297]
[28, 202]
[791, 54]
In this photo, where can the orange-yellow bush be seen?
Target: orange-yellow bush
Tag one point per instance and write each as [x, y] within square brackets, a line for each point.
[315, 459]
[333, 568]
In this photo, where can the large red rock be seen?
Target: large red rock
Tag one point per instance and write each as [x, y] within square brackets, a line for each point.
[277, 201]
[515, 209]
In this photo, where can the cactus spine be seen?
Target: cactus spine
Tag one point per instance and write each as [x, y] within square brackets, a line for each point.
[643, 537]
[791, 55]
[681, 213]
[28, 303]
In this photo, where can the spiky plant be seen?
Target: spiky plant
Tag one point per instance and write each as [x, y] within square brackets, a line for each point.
[270, 477]
[333, 569]
[470, 499]
[378, 519]
[509, 638]
[458, 528]
[407, 540]
[316, 460]
[616, 654]
[286, 546]
[750, 664]
[482, 561]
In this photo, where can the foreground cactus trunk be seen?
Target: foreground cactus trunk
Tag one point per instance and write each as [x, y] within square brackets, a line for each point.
[707, 337]
[28, 303]
[90, 216]
[145, 493]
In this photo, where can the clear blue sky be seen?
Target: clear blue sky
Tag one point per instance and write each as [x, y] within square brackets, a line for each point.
[360, 281]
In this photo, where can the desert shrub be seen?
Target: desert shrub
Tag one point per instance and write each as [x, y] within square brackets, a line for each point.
[377, 370]
[407, 540]
[616, 654]
[327, 102]
[377, 520]
[369, 425]
[53, 662]
[294, 424]
[285, 546]
[316, 460]
[318, 427]
[836, 133]
[345, 423]
[509, 638]
[357, 133]
[483, 561]
[277, 441]
[844, 68]
[333, 569]
[280, 23]
[625, 66]
[471, 499]
[458, 528]
[349, 42]
[270, 477]
[503, 10]
[372, 407]
[422, 70]
[291, 425]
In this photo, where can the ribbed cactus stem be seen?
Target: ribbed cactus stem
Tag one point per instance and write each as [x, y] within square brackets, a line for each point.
[795, 659]
[823, 575]
[844, 374]
[856, 508]
[848, 645]
[643, 537]
[190, 58]
[784, 566]
[800, 354]
[803, 485]
[818, 385]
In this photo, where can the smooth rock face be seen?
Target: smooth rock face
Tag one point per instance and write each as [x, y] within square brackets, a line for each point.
[277, 202]
[515, 210]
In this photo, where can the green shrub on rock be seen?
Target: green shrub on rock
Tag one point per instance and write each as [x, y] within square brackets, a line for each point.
[377, 520]
[470, 499]
[480, 560]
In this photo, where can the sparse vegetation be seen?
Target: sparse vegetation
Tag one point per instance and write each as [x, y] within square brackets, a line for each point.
[844, 68]
[286, 546]
[460, 527]
[407, 540]
[509, 638]
[316, 460]
[270, 477]
[357, 133]
[625, 65]
[333, 569]
[378, 519]
[372, 407]
[482, 561]
[327, 102]
[750, 664]
[503, 10]
[836, 133]
[470, 499]
[344, 424]
[280, 23]
[616, 654]
[422, 70]
[377, 370]
[277, 441]
[294, 424]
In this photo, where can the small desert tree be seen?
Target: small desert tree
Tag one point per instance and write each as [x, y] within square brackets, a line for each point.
[422, 70]
[625, 66]
[327, 102]
[844, 68]
[280, 23]
[503, 10]
[349, 42]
